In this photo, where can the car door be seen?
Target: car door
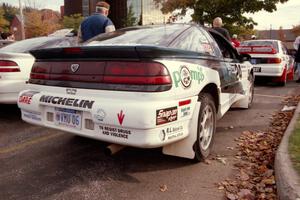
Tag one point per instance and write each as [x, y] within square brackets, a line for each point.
[230, 65]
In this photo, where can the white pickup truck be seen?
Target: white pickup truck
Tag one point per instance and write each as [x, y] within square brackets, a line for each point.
[147, 87]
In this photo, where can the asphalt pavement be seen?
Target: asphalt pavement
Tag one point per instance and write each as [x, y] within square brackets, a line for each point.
[41, 163]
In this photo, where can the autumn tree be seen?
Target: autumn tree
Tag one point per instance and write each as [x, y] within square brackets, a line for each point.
[35, 25]
[9, 11]
[296, 30]
[231, 11]
[3, 22]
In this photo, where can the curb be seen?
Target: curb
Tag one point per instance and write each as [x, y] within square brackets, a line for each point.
[287, 179]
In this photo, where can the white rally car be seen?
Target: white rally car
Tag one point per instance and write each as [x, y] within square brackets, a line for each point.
[157, 86]
[270, 60]
[16, 63]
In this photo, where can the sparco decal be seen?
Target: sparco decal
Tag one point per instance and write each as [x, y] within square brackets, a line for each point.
[26, 97]
[186, 76]
[78, 103]
[166, 115]
[115, 132]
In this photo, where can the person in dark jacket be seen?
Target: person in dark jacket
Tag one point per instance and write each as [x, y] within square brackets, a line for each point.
[96, 24]
[217, 25]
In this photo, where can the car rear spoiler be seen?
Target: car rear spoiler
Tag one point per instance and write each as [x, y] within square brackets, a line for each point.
[256, 50]
[113, 52]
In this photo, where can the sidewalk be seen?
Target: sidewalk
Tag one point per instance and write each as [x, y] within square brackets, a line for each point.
[287, 179]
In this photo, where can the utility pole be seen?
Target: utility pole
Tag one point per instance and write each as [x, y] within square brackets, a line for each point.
[142, 7]
[22, 20]
[270, 31]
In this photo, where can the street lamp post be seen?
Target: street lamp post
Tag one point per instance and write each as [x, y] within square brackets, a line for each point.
[22, 20]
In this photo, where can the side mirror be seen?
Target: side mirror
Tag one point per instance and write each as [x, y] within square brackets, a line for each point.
[244, 57]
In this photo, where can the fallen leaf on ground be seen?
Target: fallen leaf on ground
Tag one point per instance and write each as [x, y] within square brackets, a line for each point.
[163, 188]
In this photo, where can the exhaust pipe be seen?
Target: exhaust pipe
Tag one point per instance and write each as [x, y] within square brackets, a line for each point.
[113, 149]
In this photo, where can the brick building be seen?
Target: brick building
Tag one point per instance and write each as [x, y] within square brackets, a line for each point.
[145, 11]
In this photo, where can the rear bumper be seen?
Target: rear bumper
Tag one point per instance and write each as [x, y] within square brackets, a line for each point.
[125, 122]
[9, 90]
[270, 70]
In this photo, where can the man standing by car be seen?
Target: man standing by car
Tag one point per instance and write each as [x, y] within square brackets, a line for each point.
[297, 56]
[217, 25]
[96, 24]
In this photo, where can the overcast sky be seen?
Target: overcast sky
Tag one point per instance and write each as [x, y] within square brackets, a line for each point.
[287, 14]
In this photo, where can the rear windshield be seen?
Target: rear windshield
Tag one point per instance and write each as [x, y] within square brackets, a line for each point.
[274, 44]
[161, 35]
[25, 46]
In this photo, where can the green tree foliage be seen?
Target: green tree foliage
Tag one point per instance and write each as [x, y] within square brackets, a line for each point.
[73, 21]
[3, 22]
[231, 11]
[130, 19]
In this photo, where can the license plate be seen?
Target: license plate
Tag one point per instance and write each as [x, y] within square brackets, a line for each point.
[256, 69]
[68, 117]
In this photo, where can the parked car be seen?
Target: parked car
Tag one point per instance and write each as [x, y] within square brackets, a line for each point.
[3, 43]
[16, 63]
[157, 86]
[270, 60]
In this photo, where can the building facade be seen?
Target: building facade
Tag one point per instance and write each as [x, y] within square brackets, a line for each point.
[144, 11]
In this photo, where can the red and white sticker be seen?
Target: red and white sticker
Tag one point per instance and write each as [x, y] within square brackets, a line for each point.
[166, 115]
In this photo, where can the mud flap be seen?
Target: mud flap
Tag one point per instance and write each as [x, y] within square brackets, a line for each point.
[184, 148]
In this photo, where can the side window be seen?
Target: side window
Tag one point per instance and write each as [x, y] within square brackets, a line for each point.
[224, 46]
[194, 40]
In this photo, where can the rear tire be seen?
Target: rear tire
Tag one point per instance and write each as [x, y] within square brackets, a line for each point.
[206, 127]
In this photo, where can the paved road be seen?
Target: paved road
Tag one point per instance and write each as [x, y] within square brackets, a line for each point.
[40, 163]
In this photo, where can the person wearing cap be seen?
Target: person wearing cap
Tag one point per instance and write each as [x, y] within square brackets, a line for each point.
[217, 26]
[235, 41]
[96, 24]
[253, 37]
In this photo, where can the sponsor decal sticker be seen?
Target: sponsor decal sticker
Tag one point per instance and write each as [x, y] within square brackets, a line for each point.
[115, 132]
[166, 115]
[26, 97]
[77, 103]
[121, 117]
[100, 115]
[31, 115]
[185, 76]
[185, 111]
[171, 133]
[71, 91]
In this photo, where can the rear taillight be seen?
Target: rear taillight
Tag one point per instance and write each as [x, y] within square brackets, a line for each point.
[131, 73]
[273, 60]
[9, 66]
[136, 73]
